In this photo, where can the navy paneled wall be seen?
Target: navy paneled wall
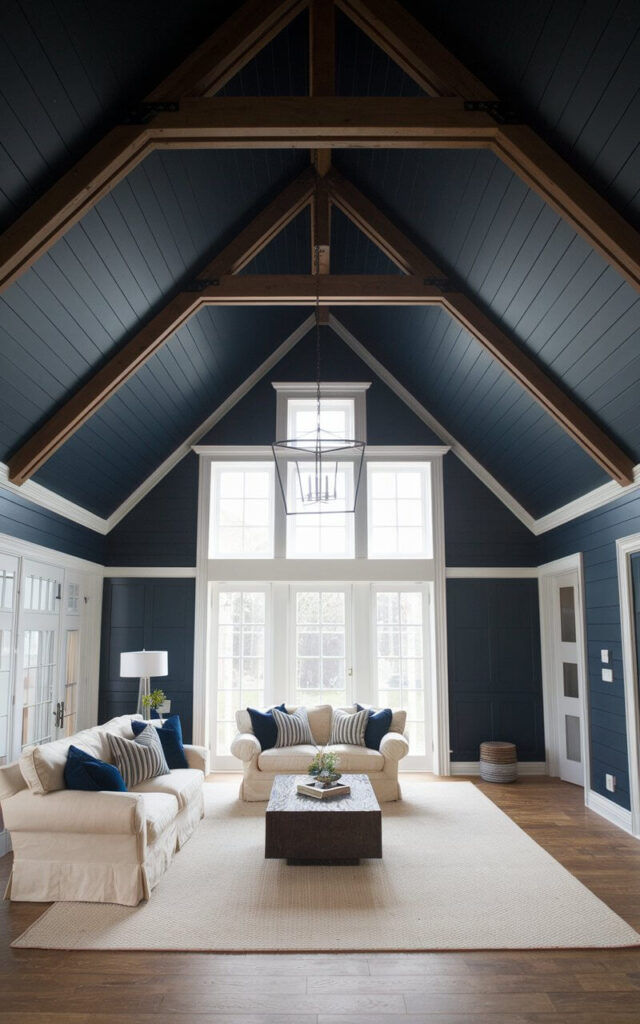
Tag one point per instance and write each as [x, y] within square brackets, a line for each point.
[155, 614]
[21, 518]
[595, 535]
[161, 529]
[479, 529]
[495, 681]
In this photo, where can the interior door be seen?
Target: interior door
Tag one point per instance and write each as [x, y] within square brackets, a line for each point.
[38, 682]
[569, 678]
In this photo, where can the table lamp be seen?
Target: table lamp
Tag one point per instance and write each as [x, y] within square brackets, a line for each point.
[143, 664]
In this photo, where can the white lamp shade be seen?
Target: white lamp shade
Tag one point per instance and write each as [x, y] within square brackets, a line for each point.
[144, 663]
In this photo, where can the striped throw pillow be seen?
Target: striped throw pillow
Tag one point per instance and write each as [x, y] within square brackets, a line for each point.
[139, 759]
[292, 729]
[349, 728]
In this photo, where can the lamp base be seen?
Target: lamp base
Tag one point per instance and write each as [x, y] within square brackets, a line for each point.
[144, 690]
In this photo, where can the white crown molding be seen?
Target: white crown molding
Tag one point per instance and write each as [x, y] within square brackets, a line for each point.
[607, 809]
[587, 503]
[42, 496]
[498, 572]
[524, 768]
[150, 572]
[26, 549]
[419, 410]
[222, 410]
[328, 387]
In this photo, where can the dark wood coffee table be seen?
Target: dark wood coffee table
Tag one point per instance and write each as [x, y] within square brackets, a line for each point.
[341, 830]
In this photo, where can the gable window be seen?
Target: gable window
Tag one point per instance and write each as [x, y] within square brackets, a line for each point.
[399, 510]
[241, 510]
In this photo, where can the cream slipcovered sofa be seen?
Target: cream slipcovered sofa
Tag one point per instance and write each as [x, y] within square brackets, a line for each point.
[96, 847]
[261, 766]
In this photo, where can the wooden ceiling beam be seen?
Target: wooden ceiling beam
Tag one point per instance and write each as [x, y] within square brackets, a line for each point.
[319, 122]
[505, 350]
[322, 64]
[128, 360]
[228, 50]
[414, 49]
[439, 73]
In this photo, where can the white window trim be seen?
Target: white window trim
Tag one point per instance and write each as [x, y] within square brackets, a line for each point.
[357, 571]
[332, 389]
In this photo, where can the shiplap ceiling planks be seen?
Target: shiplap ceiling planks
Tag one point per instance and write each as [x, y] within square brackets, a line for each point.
[389, 198]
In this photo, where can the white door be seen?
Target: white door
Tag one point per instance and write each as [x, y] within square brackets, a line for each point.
[38, 678]
[569, 678]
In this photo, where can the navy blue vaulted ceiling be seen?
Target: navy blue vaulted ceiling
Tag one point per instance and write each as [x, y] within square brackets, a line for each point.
[69, 70]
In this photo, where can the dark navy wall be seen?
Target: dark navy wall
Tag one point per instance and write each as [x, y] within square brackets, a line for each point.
[159, 615]
[161, 529]
[479, 529]
[21, 518]
[495, 681]
[595, 535]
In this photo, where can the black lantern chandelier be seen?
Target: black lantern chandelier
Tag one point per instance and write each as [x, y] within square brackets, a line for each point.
[313, 469]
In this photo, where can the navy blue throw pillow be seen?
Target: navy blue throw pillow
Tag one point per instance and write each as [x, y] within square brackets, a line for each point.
[378, 726]
[264, 727]
[82, 771]
[170, 734]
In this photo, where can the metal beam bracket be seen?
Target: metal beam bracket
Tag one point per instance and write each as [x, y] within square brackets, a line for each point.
[143, 113]
[499, 110]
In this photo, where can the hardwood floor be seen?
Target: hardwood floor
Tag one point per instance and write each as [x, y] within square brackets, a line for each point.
[566, 987]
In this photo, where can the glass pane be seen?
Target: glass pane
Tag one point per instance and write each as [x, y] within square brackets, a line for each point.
[572, 732]
[387, 608]
[7, 582]
[567, 616]
[240, 665]
[39, 672]
[307, 608]
[570, 679]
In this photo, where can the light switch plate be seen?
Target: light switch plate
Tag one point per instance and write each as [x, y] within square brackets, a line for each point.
[607, 675]
[610, 782]
[604, 657]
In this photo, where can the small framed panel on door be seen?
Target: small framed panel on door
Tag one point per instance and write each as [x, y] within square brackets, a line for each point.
[569, 677]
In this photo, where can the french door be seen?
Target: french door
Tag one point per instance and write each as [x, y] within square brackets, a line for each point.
[8, 604]
[37, 696]
[320, 636]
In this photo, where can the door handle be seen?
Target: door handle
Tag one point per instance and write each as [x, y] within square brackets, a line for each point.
[58, 714]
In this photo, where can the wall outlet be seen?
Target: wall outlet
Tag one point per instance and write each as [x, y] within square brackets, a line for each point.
[610, 782]
[604, 657]
[607, 675]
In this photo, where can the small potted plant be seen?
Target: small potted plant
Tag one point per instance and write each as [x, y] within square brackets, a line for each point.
[324, 768]
[153, 701]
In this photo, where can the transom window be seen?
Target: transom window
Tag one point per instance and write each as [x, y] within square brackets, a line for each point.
[337, 417]
[399, 510]
[241, 520]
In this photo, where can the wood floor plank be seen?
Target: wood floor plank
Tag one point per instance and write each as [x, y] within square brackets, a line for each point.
[502, 987]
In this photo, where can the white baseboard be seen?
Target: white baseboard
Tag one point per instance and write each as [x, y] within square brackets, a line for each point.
[524, 768]
[5, 843]
[607, 809]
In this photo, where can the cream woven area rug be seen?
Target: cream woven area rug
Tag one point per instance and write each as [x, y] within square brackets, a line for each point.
[456, 873]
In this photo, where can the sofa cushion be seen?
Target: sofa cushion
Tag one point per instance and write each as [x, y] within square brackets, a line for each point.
[183, 783]
[319, 721]
[357, 759]
[160, 810]
[347, 728]
[139, 759]
[170, 733]
[82, 771]
[398, 717]
[287, 759]
[293, 729]
[43, 766]
[264, 726]
[378, 725]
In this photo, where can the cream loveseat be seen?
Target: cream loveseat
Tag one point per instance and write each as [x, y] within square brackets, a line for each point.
[261, 766]
[96, 847]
